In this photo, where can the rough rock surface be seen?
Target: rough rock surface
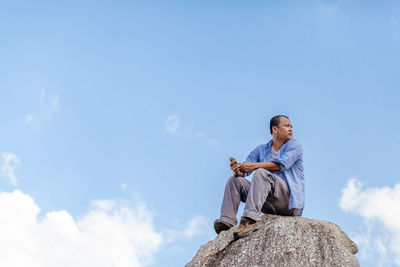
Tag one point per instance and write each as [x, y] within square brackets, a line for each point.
[281, 241]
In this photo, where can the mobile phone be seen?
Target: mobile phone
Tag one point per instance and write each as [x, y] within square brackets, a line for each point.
[233, 160]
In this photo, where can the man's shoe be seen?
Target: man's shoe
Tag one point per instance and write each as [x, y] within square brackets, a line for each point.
[246, 227]
[220, 225]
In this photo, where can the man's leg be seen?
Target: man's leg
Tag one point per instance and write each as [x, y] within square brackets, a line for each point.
[262, 187]
[278, 200]
[236, 190]
[266, 194]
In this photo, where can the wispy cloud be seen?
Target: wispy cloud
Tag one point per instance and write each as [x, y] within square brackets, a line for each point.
[379, 207]
[174, 127]
[172, 124]
[109, 234]
[48, 107]
[9, 162]
[327, 10]
[196, 226]
[330, 20]
[213, 142]
[394, 23]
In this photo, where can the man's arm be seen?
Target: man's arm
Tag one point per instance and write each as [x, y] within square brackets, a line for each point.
[233, 164]
[251, 166]
[293, 151]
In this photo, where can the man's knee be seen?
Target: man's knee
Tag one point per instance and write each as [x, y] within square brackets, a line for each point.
[263, 175]
[234, 181]
[231, 180]
[260, 172]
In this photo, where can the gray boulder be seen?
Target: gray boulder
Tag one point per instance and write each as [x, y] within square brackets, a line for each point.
[281, 241]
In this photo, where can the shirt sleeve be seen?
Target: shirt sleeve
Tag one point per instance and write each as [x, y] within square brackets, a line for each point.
[288, 157]
[254, 156]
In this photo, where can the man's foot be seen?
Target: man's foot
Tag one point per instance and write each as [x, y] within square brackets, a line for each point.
[220, 225]
[246, 227]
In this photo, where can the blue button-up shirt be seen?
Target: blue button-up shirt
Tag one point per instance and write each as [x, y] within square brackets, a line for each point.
[290, 159]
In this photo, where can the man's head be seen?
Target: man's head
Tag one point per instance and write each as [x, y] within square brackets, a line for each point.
[280, 127]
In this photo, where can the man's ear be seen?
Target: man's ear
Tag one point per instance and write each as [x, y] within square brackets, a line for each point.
[274, 129]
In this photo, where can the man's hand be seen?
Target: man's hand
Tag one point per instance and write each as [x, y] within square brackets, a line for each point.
[233, 164]
[240, 168]
[245, 167]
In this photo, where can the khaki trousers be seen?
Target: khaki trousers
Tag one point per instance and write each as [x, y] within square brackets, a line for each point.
[267, 193]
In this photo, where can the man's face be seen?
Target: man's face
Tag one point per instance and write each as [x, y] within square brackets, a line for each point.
[284, 129]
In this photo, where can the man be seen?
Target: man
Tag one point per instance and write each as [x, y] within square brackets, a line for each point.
[277, 186]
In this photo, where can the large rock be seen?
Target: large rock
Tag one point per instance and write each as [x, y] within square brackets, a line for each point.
[281, 241]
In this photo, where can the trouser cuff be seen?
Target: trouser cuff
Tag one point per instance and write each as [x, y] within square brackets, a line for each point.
[252, 215]
[228, 220]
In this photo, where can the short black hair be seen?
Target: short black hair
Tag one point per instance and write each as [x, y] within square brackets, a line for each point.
[275, 121]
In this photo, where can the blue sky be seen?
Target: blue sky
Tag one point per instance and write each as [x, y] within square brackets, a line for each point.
[118, 120]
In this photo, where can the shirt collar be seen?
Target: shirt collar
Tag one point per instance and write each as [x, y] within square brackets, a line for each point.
[268, 146]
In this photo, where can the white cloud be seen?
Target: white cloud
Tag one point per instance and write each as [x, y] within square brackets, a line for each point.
[394, 25]
[28, 118]
[200, 134]
[9, 162]
[213, 142]
[174, 127]
[327, 10]
[379, 207]
[393, 20]
[48, 107]
[331, 21]
[54, 103]
[42, 96]
[196, 226]
[109, 234]
[172, 124]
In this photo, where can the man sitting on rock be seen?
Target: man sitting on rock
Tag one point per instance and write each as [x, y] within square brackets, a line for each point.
[277, 186]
